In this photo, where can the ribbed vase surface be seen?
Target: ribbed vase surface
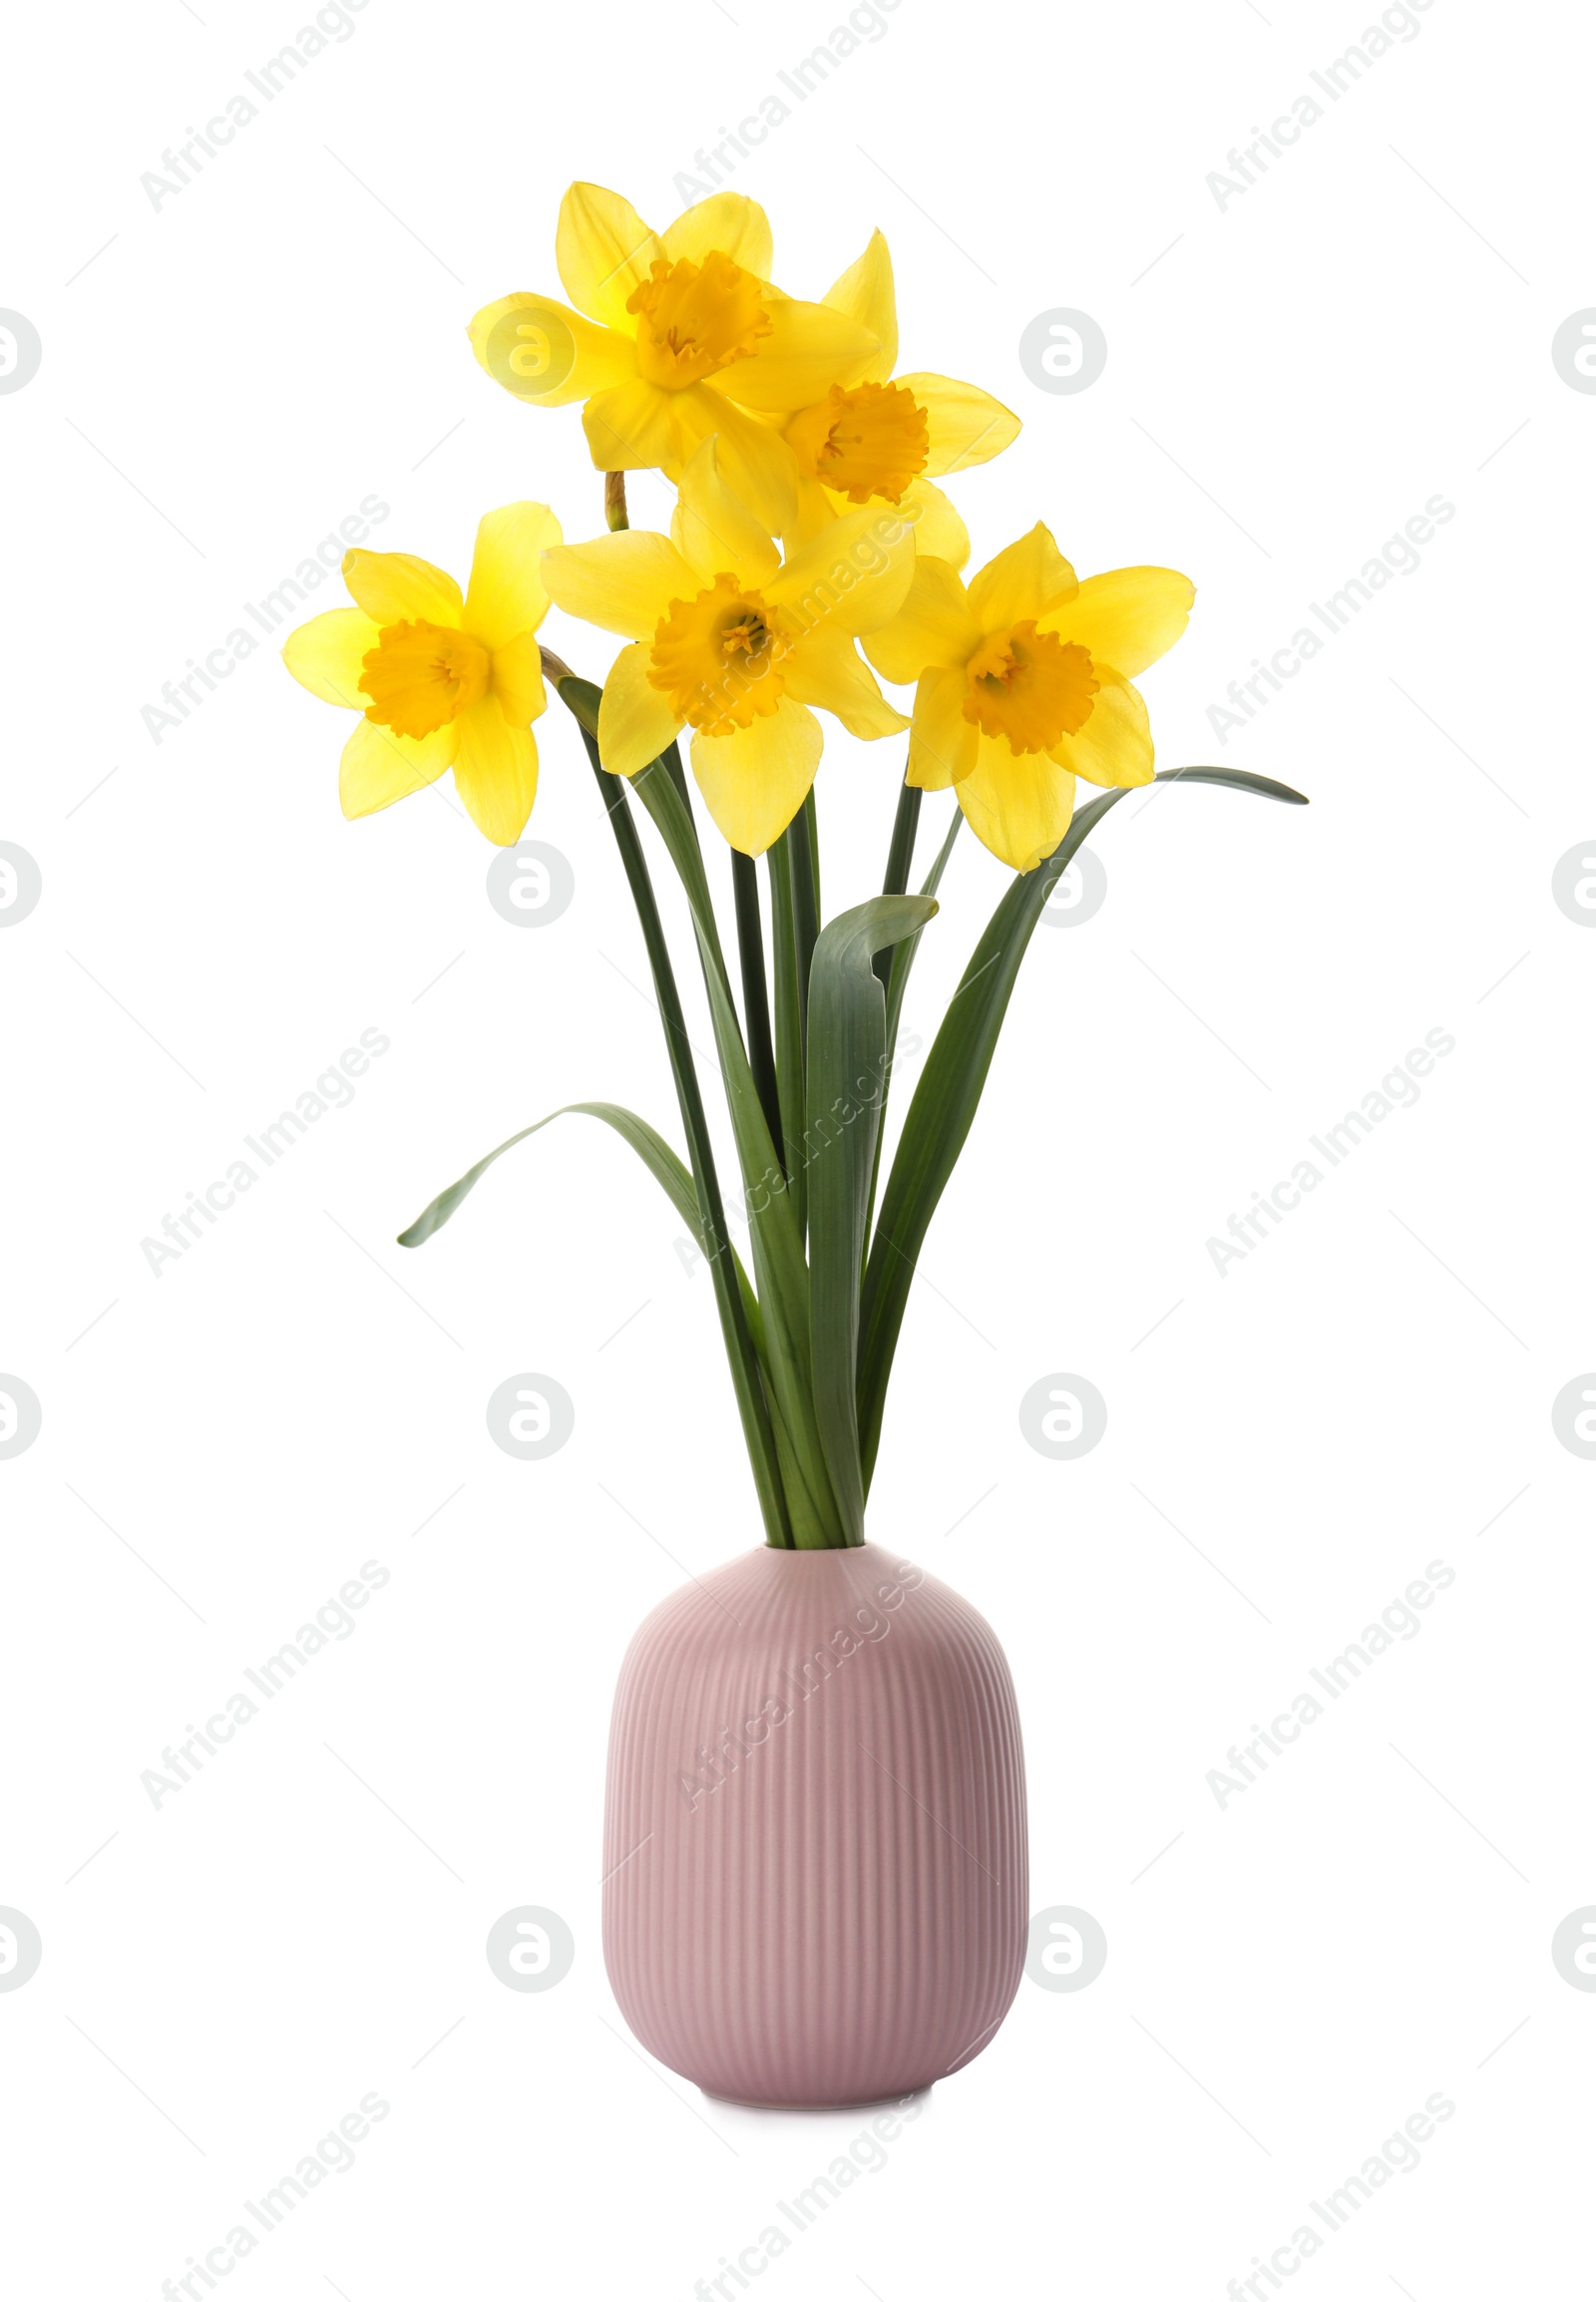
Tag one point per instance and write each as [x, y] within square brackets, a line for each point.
[815, 1830]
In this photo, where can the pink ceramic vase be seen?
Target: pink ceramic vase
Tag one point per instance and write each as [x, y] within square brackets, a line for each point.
[815, 1830]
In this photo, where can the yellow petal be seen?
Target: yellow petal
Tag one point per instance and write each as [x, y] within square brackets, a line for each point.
[809, 348]
[825, 670]
[635, 722]
[967, 426]
[633, 428]
[603, 250]
[714, 528]
[1115, 746]
[940, 533]
[545, 353]
[397, 587]
[943, 743]
[506, 595]
[933, 627]
[1019, 804]
[379, 767]
[754, 782]
[754, 458]
[728, 220]
[815, 510]
[518, 678]
[853, 576]
[1127, 619]
[1025, 581]
[327, 653]
[866, 293]
[623, 582]
[496, 771]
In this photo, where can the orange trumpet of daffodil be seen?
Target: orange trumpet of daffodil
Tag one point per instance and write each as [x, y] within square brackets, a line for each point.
[882, 440]
[439, 680]
[730, 639]
[1023, 682]
[676, 337]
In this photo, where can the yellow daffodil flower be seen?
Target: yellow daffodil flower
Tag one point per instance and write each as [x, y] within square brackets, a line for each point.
[440, 681]
[736, 643]
[881, 441]
[1023, 682]
[676, 335]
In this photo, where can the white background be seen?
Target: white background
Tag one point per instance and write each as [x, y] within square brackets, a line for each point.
[1367, 327]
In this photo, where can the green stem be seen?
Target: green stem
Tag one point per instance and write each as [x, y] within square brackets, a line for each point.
[755, 993]
[902, 958]
[812, 828]
[789, 1031]
[781, 1273]
[800, 844]
[900, 855]
[745, 1372]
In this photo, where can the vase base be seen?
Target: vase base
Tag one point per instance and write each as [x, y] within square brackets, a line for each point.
[817, 2109]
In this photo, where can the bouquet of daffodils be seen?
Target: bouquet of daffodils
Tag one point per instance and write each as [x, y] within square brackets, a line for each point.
[810, 552]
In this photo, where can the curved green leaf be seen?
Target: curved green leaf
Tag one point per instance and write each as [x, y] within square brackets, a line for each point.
[667, 1170]
[651, 1146]
[846, 1080]
[945, 1098]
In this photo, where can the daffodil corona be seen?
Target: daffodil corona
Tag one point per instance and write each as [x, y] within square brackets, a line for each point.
[1022, 682]
[440, 680]
[676, 337]
[883, 440]
[735, 642]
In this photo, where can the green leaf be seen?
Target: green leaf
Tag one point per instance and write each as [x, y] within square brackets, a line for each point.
[1233, 779]
[847, 1083]
[651, 1146]
[667, 1170]
[902, 958]
[948, 1091]
[779, 1268]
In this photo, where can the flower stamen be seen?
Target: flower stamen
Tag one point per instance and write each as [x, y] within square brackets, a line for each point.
[870, 441]
[1031, 686]
[695, 319]
[420, 675]
[718, 657]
